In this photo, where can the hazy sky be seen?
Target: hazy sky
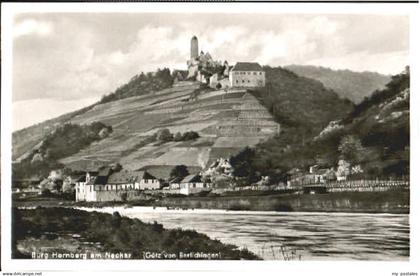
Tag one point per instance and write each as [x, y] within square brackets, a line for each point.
[62, 62]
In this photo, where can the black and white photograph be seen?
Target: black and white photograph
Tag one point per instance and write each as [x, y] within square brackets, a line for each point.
[159, 134]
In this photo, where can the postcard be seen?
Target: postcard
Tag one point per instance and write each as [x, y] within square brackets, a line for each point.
[275, 136]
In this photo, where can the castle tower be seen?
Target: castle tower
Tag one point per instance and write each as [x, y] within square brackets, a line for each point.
[194, 47]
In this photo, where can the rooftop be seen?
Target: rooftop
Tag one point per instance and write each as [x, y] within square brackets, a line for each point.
[247, 66]
[191, 178]
[127, 176]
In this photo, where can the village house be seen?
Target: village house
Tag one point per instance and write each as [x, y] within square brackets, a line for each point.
[324, 175]
[107, 183]
[29, 183]
[321, 175]
[247, 74]
[87, 187]
[146, 181]
[343, 170]
[294, 178]
[174, 185]
[193, 184]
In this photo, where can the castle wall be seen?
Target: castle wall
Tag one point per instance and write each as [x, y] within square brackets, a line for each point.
[215, 79]
[246, 130]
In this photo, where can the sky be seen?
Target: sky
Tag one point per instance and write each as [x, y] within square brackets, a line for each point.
[64, 61]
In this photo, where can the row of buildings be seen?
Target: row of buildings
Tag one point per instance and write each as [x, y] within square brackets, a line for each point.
[317, 175]
[108, 185]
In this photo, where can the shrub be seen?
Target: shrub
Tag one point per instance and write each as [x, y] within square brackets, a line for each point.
[164, 135]
[190, 135]
[178, 137]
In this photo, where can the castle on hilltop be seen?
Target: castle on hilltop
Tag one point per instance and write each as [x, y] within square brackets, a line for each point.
[202, 67]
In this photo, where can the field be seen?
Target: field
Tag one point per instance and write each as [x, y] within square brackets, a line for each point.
[225, 121]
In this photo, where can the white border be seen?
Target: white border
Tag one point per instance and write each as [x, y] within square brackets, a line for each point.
[288, 268]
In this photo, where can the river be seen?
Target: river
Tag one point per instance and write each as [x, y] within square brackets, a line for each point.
[292, 235]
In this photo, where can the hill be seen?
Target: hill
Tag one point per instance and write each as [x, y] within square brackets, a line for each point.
[299, 103]
[26, 139]
[226, 122]
[374, 136]
[348, 84]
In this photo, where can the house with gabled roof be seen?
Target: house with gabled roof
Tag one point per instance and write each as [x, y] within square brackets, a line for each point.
[146, 181]
[193, 184]
[247, 74]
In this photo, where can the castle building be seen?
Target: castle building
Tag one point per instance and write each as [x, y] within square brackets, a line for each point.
[247, 74]
[194, 47]
[202, 67]
[108, 185]
[194, 62]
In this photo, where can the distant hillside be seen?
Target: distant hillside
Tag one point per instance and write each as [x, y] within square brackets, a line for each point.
[26, 139]
[300, 103]
[348, 84]
[303, 107]
[375, 135]
[65, 140]
[381, 126]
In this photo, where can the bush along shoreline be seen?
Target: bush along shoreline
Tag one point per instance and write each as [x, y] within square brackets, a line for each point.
[65, 233]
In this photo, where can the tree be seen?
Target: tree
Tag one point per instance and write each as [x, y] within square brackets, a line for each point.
[190, 135]
[165, 135]
[67, 186]
[178, 137]
[242, 165]
[179, 172]
[46, 186]
[351, 149]
[116, 167]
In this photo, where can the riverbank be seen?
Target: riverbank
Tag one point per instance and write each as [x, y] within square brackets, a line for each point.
[397, 202]
[64, 233]
[358, 202]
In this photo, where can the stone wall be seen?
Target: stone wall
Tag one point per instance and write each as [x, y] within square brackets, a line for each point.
[254, 114]
[109, 195]
[120, 195]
